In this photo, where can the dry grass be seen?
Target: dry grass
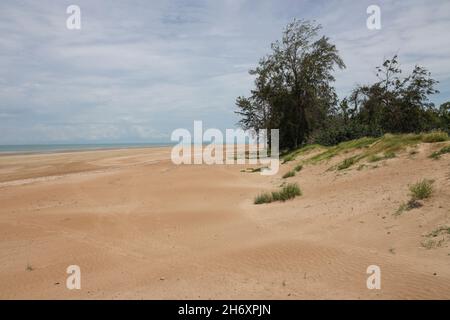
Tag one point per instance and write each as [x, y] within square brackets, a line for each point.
[435, 136]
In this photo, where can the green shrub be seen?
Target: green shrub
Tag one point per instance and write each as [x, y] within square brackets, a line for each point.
[289, 174]
[298, 167]
[337, 131]
[435, 136]
[421, 190]
[437, 154]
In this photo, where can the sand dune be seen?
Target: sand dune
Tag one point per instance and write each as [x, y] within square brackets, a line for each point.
[140, 227]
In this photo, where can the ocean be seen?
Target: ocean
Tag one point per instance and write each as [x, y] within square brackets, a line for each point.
[49, 148]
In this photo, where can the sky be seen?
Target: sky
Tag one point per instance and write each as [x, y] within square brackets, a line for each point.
[137, 70]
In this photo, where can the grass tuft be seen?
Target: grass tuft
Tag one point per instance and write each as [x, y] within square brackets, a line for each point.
[374, 158]
[437, 154]
[347, 163]
[432, 244]
[411, 204]
[289, 191]
[289, 174]
[263, 198]
[253, 170]
[438, 232]
[389, 155]
[289, 157]
[421, 190]
[442, 231]
[298, 167]
[293, 154]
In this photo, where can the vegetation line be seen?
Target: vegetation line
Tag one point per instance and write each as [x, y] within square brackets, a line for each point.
[294, 92]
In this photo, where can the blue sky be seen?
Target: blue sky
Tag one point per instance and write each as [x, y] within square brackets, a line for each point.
[137, 70]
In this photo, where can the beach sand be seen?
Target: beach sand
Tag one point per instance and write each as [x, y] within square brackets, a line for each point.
[141, 227]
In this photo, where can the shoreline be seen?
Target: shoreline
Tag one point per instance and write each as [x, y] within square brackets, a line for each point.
[94, 147]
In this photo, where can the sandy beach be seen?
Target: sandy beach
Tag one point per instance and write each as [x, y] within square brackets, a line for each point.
[141, 227]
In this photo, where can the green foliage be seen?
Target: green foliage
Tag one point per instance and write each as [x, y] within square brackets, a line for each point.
[289, 174]
[289, 157]
[336, 130]
[298, 167]
[293, 85]
[289, 191]
[347, 163]
[294, 93]
[368, 148]
[263, 198]
[421, 190]
[391, 105]
[342, 147]
[437, 154]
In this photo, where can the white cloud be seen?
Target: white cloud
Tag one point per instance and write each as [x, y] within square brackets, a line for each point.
[136, 70]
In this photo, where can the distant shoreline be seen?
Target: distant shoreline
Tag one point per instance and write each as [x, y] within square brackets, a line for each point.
[8, 150]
